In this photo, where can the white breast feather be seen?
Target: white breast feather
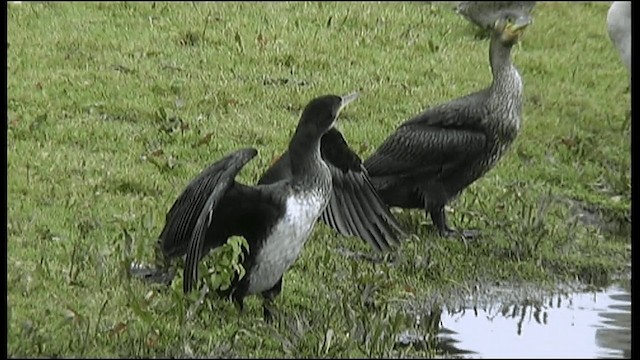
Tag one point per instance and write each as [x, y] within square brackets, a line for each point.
[513, 109]
[283, 246]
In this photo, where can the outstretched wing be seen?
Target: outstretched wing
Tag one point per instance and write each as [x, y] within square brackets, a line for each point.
[212, 182]
[355, 209]
[188, 218]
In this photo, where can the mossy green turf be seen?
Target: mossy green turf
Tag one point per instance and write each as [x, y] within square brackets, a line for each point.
[114, 108]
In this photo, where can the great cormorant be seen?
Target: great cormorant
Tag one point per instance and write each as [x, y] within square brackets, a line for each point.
[276, 219]
[431, 158]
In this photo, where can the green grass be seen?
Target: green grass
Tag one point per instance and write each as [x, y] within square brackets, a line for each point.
[113, 108]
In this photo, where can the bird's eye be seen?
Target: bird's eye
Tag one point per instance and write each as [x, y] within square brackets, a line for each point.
[509, 20]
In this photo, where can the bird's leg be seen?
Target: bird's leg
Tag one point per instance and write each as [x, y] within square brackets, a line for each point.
[440, 221]
[269, 296]
[267, 310]
[239, 302]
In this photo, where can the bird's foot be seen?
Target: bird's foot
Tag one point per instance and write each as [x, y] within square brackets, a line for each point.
[464, 234]
[267, 314]
[152, 275]
[470, 234]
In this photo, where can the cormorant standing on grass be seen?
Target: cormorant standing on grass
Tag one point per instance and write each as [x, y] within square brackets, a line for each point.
[431, 158]
[275, 219]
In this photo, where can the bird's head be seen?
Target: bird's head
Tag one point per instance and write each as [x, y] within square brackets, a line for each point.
[322, 112]
[510, 25]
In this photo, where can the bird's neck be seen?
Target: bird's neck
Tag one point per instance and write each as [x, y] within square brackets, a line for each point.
[500, 59]
[304, 151]
[506, 90]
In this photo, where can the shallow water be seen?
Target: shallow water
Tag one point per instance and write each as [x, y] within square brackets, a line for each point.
[578, 325]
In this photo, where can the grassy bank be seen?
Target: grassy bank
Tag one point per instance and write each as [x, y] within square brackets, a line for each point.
[113, 108]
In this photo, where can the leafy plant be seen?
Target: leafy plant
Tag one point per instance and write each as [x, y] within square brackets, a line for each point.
[225, 263]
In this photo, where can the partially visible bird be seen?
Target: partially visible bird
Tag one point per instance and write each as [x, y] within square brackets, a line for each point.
[431, 158]
[355, 208]
[619, 28]
[485, 13]
[275, 219]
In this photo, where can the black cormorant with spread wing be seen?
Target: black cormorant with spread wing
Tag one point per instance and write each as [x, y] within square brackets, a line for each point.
[276, 219]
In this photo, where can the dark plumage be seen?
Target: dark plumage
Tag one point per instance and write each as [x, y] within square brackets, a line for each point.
[485, 13]
[275, 219]
[355, 209]
[431, 158]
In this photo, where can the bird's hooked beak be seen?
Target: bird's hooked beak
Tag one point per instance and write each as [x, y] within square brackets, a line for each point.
[345, 100]
[516, 28]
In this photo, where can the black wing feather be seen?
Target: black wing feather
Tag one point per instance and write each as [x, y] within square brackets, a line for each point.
[361, 207]
[355, 208]
[224, 178]
[432, 143]
[183, 215]
[188, 218]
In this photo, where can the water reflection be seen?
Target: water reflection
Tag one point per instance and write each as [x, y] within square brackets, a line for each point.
[595, 324]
